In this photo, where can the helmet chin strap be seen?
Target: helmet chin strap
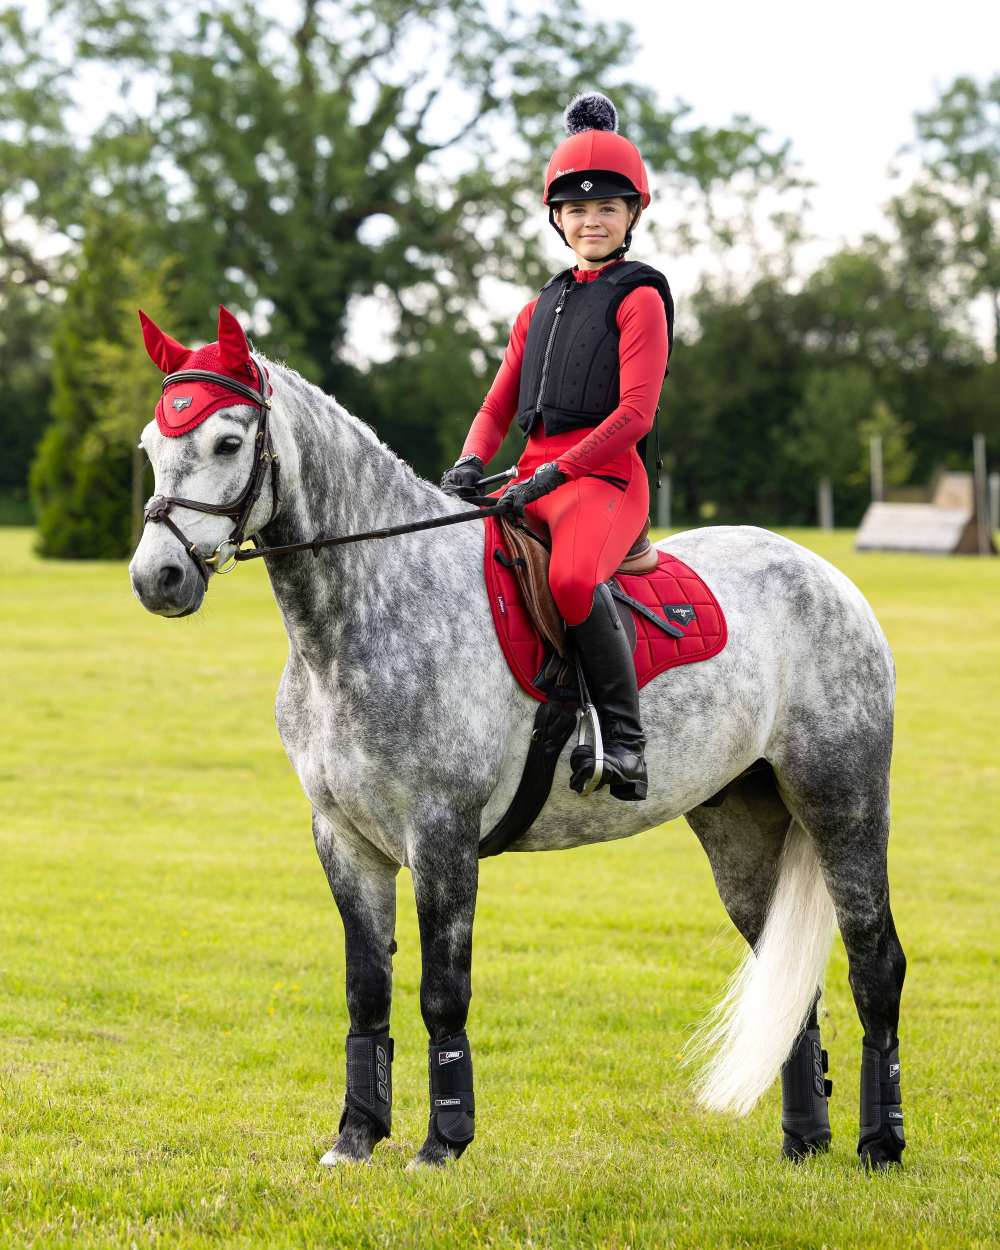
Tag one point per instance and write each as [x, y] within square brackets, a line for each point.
[619, 252]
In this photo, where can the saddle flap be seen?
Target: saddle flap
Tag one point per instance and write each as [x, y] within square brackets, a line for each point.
[531, 568]
[642, 556]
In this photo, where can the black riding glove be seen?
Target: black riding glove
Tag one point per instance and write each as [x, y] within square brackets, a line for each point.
[462, 479]
[515, 498]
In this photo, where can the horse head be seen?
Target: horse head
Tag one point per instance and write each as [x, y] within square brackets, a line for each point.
[211, 452]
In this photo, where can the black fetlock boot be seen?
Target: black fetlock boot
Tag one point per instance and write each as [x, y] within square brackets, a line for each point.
[881, 1141]
[453, 1105]
[805, 1093]
[610, 672]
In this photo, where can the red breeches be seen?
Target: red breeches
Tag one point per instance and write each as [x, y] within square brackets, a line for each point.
[592, 524]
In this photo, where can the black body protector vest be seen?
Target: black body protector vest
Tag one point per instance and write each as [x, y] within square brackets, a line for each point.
[569, 374]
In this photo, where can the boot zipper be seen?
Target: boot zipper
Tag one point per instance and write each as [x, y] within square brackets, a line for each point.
[548, 346]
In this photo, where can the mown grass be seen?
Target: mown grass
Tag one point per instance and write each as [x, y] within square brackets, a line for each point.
[171, 968]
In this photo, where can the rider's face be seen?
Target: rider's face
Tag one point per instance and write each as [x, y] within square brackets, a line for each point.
[594, 227]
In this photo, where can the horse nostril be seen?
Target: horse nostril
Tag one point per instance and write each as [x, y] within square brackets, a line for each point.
[170, 577]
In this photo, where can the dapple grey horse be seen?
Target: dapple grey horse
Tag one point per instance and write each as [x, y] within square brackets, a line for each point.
[408, 733]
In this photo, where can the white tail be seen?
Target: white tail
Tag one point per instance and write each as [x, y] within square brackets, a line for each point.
[750, 1034]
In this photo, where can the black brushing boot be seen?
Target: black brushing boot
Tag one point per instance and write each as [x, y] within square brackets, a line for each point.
[453, 1104]
[805, 1093]
[882, 1142]
[610, 672]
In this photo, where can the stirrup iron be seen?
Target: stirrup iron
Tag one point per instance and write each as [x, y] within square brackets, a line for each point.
[588, 732]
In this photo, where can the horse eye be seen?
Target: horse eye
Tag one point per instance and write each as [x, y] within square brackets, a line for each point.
[228, 445]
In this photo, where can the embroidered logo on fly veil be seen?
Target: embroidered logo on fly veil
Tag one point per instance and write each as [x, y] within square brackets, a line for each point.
[182, 402]
[449, 1056]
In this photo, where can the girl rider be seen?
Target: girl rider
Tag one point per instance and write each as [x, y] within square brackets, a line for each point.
[583, 371]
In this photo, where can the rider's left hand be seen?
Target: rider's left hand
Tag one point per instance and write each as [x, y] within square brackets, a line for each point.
[515, 498]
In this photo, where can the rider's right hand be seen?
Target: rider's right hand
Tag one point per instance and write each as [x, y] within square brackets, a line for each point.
[462, 479]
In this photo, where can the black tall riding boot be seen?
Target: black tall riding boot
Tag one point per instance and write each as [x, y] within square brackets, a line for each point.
[610, 672]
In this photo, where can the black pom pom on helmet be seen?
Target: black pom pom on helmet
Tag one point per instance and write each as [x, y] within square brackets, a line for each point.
[590, 111]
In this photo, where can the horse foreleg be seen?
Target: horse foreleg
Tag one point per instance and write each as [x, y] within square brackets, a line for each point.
[364, 888]
[445, 868]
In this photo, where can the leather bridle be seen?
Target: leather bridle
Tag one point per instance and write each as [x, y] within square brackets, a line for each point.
[158, 508]
[239, 509]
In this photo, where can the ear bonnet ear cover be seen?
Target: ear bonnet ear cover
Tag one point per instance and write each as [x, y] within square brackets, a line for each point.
[185, 405]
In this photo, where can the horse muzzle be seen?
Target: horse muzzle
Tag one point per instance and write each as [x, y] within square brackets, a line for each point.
[166, 582]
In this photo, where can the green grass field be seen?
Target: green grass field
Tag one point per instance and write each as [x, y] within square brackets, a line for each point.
[171, 968]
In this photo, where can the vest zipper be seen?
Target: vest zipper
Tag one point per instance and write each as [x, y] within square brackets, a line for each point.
[548, 346]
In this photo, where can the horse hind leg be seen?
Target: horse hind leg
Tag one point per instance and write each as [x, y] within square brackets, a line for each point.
[847, 815]
[744, 838]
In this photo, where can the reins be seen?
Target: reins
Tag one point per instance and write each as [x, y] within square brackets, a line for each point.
[158, 508]
[315, 545]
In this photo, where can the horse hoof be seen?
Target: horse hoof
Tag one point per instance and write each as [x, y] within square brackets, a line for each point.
[435, 1152]
[420, 1163]
[346, 1149]
[797, 1149]
[335, 1158]
[874, 1158]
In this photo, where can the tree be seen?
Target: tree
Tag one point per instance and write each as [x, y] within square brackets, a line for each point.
[26, 319]
[952, 212]
[897, 459]
[83, 479]
[826, 429]
[295, 163]
[725, 407]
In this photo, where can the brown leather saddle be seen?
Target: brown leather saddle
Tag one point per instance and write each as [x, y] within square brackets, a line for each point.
[529, 551]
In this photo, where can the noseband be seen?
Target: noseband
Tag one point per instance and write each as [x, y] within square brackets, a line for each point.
[158, 508]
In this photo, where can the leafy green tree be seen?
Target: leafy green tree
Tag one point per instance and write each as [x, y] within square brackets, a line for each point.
[26, 319]
[83, 477]
[897, 456]
[118, 371]
[725, 406]
[826, 429]
[297, 161]
[952, 212]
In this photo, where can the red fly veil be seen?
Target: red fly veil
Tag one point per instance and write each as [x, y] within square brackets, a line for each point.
[183, 405]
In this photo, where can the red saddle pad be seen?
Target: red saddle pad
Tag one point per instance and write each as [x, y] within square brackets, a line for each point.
[671, 589]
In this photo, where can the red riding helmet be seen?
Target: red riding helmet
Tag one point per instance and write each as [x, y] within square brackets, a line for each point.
[595, 162]
[596, 154]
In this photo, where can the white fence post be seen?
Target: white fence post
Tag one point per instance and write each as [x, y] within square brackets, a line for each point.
[982, 505]
[877, 477]
[824, 503]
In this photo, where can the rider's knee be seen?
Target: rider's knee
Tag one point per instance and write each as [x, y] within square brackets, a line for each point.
[574, 596]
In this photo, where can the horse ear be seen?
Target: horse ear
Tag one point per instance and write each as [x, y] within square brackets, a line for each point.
[166, 353]
[233, 345]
